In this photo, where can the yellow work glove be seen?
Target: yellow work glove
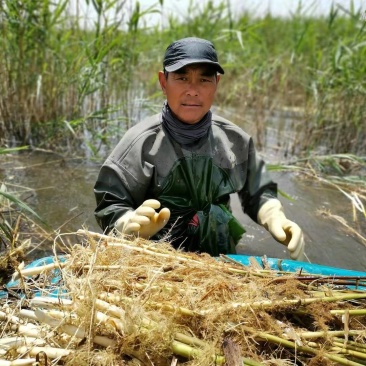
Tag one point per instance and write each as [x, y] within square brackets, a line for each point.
[286, 232]
[144, 221]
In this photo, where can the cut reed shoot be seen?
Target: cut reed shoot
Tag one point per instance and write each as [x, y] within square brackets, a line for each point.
[141, 301]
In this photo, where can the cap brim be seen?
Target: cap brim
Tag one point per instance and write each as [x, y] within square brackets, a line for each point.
[182, 63]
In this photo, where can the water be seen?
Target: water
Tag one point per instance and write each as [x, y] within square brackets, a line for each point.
[327, 241]
[61, 191]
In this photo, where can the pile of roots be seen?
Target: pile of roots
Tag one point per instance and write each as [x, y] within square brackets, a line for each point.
[113, 301]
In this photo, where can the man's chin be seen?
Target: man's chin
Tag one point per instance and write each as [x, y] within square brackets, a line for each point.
[189, 115]
[190, 120]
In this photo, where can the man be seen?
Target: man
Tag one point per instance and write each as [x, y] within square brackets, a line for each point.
[187, 162]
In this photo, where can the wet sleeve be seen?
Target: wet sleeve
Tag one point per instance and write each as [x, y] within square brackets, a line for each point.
[112, 197]
[122, 182]
[259, 187]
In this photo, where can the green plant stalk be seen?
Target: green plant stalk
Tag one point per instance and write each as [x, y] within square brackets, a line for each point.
[181, 345]
[190, 341]
[184, 350]
[13, 149]
[322, 334]
[349, 347]
[353, 343]
[20, 204]
[355, 312]
[305, 349]
[343, 347]
[349, 352]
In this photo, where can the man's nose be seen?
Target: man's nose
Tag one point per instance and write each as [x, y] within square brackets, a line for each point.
[192, 89]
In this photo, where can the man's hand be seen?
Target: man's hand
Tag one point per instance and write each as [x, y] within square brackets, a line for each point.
[286, 232]
[144, 221]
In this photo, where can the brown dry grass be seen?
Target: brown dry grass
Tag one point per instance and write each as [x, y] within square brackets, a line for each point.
[149, 299]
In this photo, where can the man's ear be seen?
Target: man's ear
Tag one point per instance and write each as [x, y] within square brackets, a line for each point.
[162, 81]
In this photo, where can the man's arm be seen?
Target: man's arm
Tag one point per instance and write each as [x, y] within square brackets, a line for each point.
[258, 187]
[259, 201]
[113, 198]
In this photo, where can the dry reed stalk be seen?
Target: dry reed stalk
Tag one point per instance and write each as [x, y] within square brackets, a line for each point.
[72, 330]
[343, 222]
[109, 241]
[51, 352]
[8, 317]
[126, 244]
[296, 302]
[164, 307]
[19, 362]
[29, 330]
[51, 302]
[11, 342]
[27, 314]
[37, 270]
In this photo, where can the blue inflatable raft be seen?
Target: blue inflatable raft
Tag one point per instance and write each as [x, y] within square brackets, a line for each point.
[288, 265]
[54, 280]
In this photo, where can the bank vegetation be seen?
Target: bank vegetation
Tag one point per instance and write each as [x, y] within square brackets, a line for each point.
[68, 84]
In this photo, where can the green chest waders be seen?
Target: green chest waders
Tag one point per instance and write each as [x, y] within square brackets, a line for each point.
[197, 193]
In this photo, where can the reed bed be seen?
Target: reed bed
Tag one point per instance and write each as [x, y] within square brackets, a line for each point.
[74, 83]
[123, 302]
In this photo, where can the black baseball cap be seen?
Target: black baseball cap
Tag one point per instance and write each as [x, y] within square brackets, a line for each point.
[188, 51]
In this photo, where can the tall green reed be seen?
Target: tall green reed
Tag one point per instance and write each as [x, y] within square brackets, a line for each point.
[310, 65]
[24, 33]
[65, 84]
[59, 78]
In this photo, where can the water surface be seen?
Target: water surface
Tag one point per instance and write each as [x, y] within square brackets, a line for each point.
[61, 191]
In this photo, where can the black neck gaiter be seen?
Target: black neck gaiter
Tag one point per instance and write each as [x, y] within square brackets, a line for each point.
[185, 133]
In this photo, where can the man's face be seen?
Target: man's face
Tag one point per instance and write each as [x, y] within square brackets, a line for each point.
[190, 91]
